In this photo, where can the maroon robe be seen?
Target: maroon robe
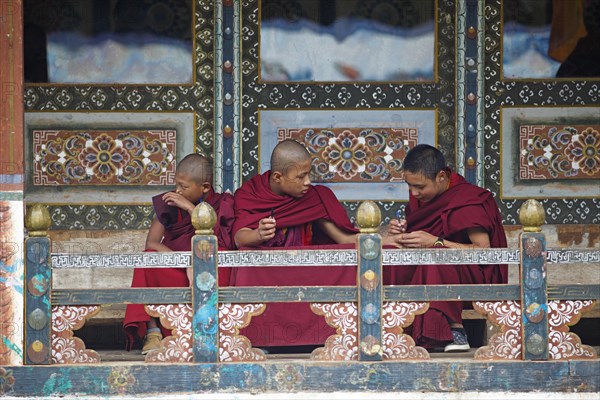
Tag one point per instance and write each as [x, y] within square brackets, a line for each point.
[287, 324]
[461, 207]
[177, 237]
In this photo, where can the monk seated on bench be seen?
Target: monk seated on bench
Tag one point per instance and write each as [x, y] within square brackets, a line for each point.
[281, 209]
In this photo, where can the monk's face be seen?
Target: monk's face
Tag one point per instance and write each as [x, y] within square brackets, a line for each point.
[295, 182]
[189, 188]
[426, 189]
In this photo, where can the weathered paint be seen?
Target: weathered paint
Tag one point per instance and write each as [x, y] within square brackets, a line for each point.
[370, 296]
[294, 376]
[11, 282]
[37, 313]
[534, 302]
[11, 105]
[205, 323]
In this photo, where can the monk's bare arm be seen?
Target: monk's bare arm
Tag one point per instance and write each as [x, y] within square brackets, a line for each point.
[420, 239]
[339, 236]
[247, 237]
[335, 233]
[155, 235]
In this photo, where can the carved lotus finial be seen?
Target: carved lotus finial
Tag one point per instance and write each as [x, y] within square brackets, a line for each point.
[368, 217]
[532, 216]
[204, 219]
[37, 220]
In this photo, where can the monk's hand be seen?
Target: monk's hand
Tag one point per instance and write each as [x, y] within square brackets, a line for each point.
[396, 226]
[266, 229]
[177, 200]
[417, 239]
[391, 241]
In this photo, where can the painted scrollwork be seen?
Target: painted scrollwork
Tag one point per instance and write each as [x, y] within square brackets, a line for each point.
[67, 349]
[506, 344]
[343, 346]
[565, 345]
[178, 346]
[232, 345]
[396, 344]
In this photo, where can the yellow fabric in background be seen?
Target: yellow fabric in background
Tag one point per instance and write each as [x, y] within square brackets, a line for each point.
[567, 28]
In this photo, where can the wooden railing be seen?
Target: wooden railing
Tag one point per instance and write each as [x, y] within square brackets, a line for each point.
[532, 317]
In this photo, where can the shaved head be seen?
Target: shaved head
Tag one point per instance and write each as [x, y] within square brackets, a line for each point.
[288, 154]
[196, 167]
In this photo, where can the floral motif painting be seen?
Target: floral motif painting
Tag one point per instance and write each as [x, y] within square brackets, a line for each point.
[559, 152]
[107, 157]
[551, 152]
[355, 154]
[358, 154]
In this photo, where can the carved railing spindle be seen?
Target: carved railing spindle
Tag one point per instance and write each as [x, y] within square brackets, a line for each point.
[38, 280]
[369, 281]
[205, 294]
[534, 303]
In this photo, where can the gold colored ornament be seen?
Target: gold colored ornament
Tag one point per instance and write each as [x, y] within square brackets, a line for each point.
[368, 217]
[204, 219]
[37, 220]
[532, 216]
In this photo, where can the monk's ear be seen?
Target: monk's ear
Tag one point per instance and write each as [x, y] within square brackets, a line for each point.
[276, 176]
[206, 186]
[442, 176]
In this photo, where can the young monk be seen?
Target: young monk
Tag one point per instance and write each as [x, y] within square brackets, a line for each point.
[172, 230]
[445, 210]
[280, 208]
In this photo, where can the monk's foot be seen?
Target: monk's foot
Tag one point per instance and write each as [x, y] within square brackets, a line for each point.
[459, 343]
[151, 342]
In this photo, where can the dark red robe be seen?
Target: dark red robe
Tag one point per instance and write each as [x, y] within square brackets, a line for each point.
[288, 324]
[450, 215]
[177, 237]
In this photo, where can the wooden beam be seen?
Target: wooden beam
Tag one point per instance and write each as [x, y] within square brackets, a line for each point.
[283, 376]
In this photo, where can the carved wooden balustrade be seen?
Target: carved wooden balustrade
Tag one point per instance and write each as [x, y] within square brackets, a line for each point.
[532, 317]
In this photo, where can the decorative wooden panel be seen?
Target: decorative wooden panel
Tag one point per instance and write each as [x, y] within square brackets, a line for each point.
[232, 345]
[559, 152]
[178, 346]
[343, 346]
[507, 343]
[103, 157]
[355, 154]
[67, 349]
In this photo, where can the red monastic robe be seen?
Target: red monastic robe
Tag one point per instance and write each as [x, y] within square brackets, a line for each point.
[289, 324]
[450, 215]
[177, 237]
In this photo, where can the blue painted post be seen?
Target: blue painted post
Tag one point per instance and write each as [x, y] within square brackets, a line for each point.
[38, 318]
[205, 293]
[534, 299]
[369, 283]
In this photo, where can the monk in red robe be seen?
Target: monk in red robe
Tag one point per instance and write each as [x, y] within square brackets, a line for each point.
[445, 210]
[172, 230]
[281, 209]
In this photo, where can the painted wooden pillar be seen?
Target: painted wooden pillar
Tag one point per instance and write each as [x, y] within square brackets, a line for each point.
[369, 281]
[205, 293]
[11, 182]
[534, 299]
[38, 281]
